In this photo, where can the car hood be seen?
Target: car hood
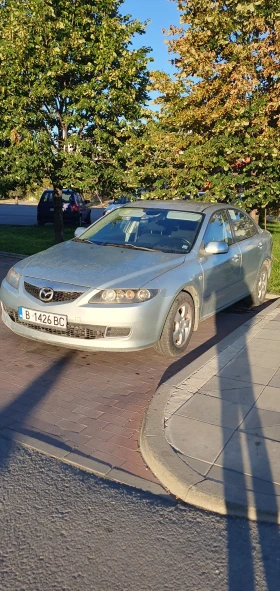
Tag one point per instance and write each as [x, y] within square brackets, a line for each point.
[98, 266]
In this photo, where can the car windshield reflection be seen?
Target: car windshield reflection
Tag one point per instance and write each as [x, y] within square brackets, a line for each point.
[146, 229]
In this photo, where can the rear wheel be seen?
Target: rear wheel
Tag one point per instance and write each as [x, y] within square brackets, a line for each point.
[178, 327]
[257, 296]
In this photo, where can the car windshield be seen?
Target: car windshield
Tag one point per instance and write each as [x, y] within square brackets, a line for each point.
[158, 229]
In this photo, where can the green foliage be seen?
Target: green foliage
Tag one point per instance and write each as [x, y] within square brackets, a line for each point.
[218, 127]
[71, 91]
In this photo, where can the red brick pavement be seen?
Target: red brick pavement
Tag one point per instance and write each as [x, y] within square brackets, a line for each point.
[92, 404]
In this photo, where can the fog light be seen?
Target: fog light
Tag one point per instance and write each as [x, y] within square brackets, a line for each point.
[117, 331]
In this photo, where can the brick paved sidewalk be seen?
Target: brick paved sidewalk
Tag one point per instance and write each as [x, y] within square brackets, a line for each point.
[90, 406]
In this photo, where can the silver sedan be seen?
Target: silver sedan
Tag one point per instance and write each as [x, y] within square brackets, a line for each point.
[144, 275]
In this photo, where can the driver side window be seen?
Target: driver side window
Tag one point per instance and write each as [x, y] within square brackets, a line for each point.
[218, 229]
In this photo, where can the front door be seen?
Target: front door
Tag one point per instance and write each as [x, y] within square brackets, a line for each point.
[221, 272]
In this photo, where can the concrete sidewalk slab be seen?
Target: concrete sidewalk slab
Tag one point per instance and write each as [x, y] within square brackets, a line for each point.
[275, 382]
[214, 439]
[269, 399]
[244, 371]
[214, 411]
[201, 441]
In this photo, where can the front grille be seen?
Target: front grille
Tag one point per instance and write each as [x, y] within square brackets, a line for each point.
[58, 296]
[73, 331]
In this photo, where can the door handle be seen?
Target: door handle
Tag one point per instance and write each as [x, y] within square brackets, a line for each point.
[236, 257]
[260, 244]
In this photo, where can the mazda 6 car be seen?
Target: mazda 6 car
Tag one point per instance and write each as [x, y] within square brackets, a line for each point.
[143, 275]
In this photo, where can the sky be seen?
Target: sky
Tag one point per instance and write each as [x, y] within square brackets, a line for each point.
[162, 13]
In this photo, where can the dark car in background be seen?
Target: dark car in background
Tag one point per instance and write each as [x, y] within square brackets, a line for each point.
[76, 209]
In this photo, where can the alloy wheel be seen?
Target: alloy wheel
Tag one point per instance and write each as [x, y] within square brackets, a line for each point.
[182, 325]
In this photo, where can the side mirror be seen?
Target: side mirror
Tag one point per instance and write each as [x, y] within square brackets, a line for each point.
[216, 248]
[78, 232]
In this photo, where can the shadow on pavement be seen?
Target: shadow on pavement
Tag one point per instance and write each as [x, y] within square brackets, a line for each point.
[244, 447]
[223, 323]
[26, 403]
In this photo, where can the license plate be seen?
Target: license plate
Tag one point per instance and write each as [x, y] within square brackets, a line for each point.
[42, 318]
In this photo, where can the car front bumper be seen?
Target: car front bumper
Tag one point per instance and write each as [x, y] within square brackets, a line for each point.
[141, 323]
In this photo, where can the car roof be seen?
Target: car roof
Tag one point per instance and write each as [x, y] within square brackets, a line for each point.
[191, 205]
[63, 191]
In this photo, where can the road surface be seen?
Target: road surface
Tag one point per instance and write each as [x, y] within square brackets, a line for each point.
[66, 530]
[26, 215]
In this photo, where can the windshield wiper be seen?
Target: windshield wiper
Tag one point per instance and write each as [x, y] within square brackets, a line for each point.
[131, 246]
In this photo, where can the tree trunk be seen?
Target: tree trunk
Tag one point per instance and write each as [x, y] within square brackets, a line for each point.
[254, 213]
[99, 197]
[58, 216]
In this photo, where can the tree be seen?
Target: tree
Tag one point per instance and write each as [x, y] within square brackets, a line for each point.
[220, 113]
[71, 86]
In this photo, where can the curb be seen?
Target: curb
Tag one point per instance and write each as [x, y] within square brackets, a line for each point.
[92, 466]
[173, 473]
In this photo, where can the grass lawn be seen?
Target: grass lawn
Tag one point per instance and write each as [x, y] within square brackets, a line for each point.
[29, 239]
[274, 283]
[32, 239]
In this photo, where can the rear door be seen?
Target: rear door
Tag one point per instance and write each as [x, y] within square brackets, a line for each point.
[221, 272]
[46, 206]
[250, 241]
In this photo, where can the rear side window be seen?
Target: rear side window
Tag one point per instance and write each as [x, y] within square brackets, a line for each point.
[47, 197]
[243, 225]
[67, 197]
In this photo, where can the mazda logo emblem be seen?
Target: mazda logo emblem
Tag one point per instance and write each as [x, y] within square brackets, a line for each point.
[46, 294]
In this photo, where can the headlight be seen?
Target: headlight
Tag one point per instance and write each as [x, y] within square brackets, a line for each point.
[13, 278]
[123, 296]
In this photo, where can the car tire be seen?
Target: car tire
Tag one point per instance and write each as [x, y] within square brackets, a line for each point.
[257, 296]
[177, 331]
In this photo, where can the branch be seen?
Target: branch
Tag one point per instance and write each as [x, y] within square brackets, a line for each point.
[48, 129]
